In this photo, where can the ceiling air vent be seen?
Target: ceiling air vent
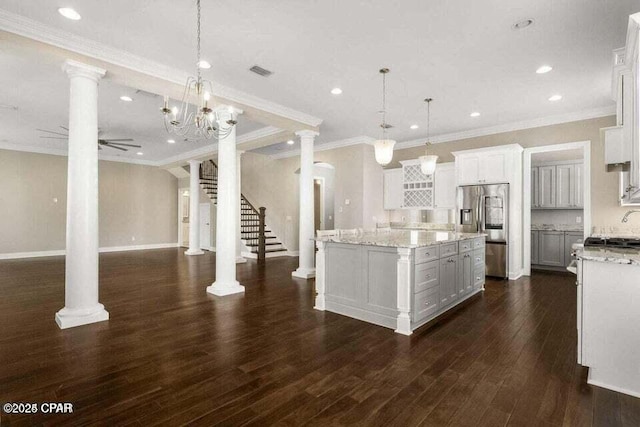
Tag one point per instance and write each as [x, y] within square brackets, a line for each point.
[260, 71]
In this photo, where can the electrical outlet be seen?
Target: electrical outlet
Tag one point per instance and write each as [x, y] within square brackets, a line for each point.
[330, 217]
[578, 219]
[347, 202]
[133, 238]
[340, 210]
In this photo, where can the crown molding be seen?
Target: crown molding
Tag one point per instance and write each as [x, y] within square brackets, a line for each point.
[512, 127]
[64, 153]
[363, 139]
[29, 28]
[492, 130]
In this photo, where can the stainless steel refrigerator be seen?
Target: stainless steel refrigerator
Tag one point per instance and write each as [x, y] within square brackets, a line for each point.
[485, 209]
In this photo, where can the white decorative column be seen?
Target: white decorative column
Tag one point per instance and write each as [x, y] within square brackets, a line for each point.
[227, 209]
[81, 304]
[320, 275]
[403, 323]
[239, 258]
[305, 246]
[194, 209]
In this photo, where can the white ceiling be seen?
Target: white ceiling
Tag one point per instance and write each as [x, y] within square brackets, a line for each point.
[41, 93]
[462, 53]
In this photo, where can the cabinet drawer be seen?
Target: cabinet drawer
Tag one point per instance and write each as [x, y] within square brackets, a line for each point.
[478, 243]
[478, 276]
[426, 275]
[465, 245]
[425, 304]
[478, 257]
[448, 249]
[428, 253]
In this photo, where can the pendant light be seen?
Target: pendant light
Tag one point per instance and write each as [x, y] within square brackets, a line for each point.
[428, 162]
[384, 147]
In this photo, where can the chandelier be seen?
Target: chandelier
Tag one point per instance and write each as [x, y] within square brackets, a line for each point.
[195, 117]
[384, 147]
[428, 162]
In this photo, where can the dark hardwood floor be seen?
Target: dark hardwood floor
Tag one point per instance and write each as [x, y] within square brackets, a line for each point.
[172, 354]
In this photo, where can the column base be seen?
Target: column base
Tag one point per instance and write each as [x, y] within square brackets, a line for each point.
[403, 325]
[240, 260]
[304, 273]
[194, 252]
[224, 289]
[70, 318]
[320, 305]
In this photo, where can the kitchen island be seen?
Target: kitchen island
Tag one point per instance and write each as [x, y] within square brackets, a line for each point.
[398, 279]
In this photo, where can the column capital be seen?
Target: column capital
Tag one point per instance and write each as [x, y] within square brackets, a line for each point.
[240, 152]
[79, 69]
[307, 133]
[195, 162]
[226, 112]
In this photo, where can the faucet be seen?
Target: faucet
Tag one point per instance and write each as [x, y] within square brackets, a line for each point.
[625, 218]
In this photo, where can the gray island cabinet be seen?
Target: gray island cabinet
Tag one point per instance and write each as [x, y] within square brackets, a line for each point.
[398, 279]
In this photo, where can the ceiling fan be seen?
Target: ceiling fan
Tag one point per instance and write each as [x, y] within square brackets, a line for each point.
[111, 143]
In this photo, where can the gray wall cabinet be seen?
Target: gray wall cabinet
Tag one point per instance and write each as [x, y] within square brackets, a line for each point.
[558, 186]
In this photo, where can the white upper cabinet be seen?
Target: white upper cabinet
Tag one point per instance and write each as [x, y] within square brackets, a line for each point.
[445, 185]
[626, 93]
[491, 165]
[469, 169]
[393, 189]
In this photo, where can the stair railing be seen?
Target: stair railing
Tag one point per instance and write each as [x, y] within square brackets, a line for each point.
[209, 170]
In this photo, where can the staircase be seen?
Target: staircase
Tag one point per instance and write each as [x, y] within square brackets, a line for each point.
[249, 217]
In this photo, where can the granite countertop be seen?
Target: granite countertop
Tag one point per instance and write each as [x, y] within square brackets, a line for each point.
[401, 238]
[557, 227]
[612, 255]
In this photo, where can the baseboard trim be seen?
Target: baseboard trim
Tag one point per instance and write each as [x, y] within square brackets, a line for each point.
[293, 253]
[61, 252]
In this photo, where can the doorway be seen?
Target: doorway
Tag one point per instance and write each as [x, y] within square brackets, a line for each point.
[559, 179]
[205, 226]
[183, 217]
[318, 207]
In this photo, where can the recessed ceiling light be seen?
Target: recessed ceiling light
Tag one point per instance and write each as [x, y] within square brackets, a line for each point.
[475, 114]
[414, 127]
[205, 65]
[544, 69]
[171, 141]
[336, 91]
[69, 13]
[522, 24]
[555, 98]
[126, 98]
[139, 153]
[291, 142]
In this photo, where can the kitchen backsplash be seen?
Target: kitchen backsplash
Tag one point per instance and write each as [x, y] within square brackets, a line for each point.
[557, 216]
[438, 216]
